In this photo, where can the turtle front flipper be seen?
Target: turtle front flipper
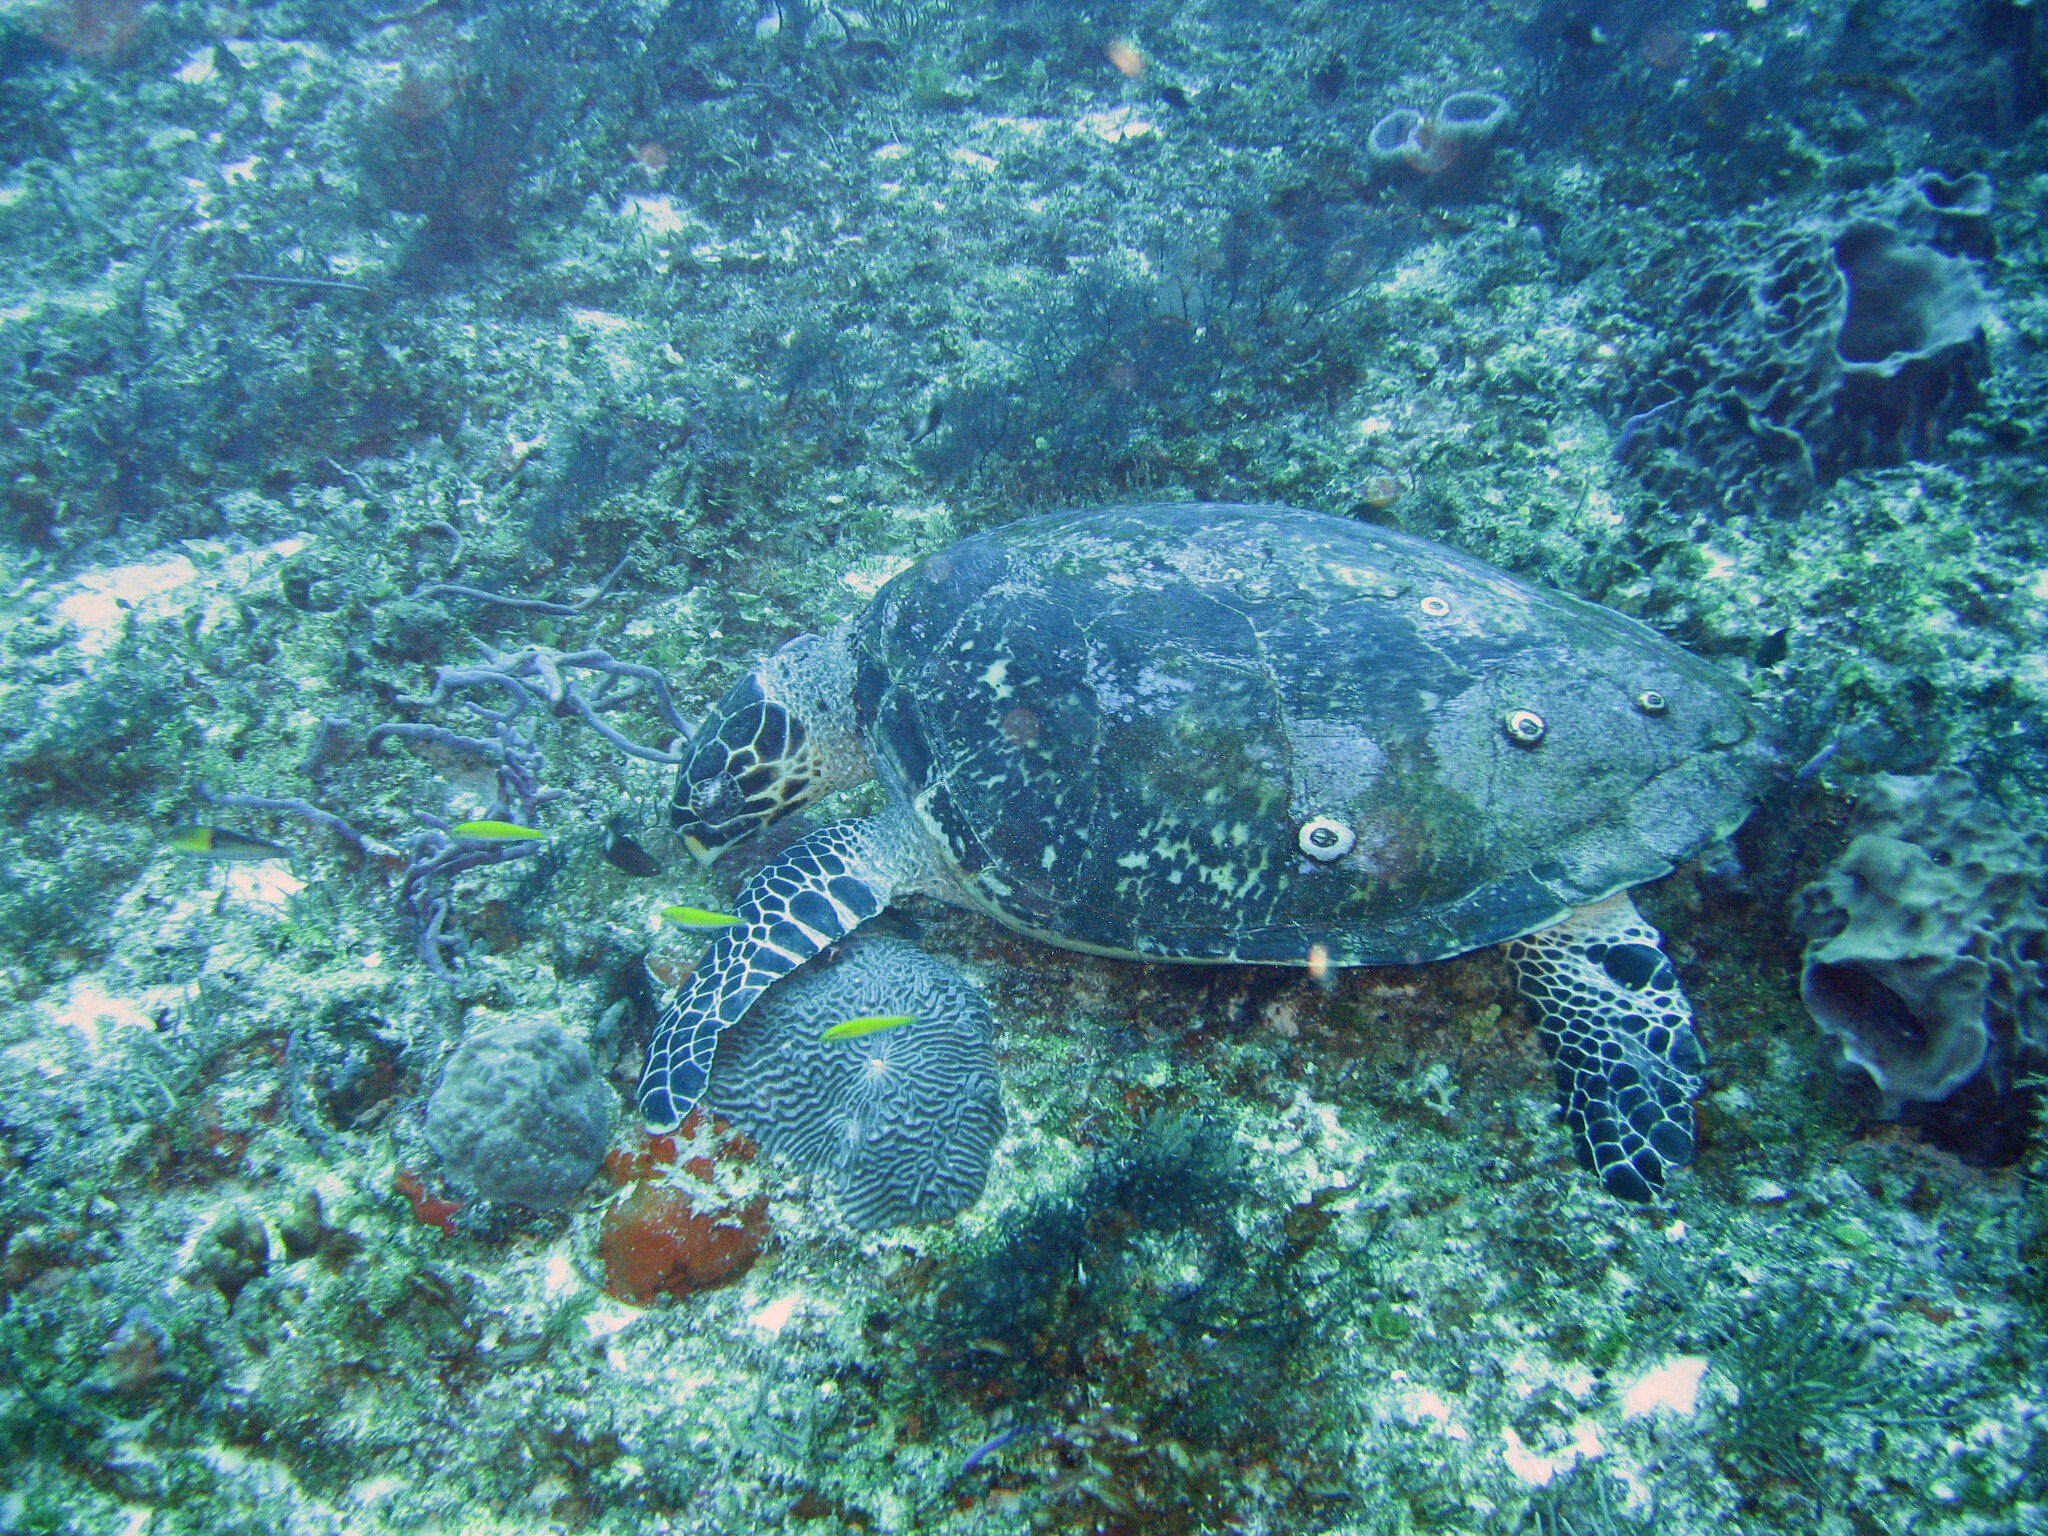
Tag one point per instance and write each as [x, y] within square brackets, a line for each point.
[818, 891]
[1620, 1032]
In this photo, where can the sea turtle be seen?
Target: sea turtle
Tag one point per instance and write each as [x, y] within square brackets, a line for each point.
[1247, 734]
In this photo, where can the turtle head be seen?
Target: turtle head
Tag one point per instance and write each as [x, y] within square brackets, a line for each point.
[780, 739]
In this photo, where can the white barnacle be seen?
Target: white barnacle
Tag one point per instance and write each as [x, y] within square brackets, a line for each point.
[1324, 838]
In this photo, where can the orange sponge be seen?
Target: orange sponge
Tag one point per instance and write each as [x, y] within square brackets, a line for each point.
[656, 1241]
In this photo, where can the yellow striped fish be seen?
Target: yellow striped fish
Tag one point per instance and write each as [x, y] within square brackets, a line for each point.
[219, 843]
[494, 832]
[697, 917]
[867, 1024]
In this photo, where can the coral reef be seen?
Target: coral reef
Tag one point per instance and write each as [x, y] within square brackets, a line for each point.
[1855, 337]
[1927, 953]
[900, 1124]
[342, 347]
[521, 1115]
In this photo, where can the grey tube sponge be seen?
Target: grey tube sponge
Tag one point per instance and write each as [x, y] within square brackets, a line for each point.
[900, 1124]
[1928, 953]
[521, 1115]
[1470, 118]
[1393, 136]
[1458, 136]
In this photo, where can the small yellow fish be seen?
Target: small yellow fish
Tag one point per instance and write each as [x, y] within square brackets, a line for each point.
[494, 832]
[867, 1024]
[219, 843]
[697, 917]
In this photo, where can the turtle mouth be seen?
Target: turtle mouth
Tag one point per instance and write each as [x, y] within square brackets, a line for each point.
[715, 815]
[707, 838]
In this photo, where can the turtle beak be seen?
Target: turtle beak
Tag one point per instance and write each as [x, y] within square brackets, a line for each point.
[703, 855]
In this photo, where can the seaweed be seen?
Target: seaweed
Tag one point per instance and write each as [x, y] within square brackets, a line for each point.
[1133, 356]
[1584, 1503]
[106, 741]
[1809, 1372]
[1072, 1263]
[1160, 1336]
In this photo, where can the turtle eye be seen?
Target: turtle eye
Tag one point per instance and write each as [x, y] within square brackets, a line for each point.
[1326, 838]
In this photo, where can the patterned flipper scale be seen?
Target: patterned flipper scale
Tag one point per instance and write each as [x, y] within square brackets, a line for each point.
[817, 892]
[1620, 1032]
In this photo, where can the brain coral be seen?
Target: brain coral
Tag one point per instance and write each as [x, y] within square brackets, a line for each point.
[521, 1115]
[900, 1123]
[1853, 337]
[1928, 952]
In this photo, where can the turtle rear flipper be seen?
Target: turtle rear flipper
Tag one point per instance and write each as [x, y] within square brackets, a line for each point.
[1620, 1032]
[820, 889]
